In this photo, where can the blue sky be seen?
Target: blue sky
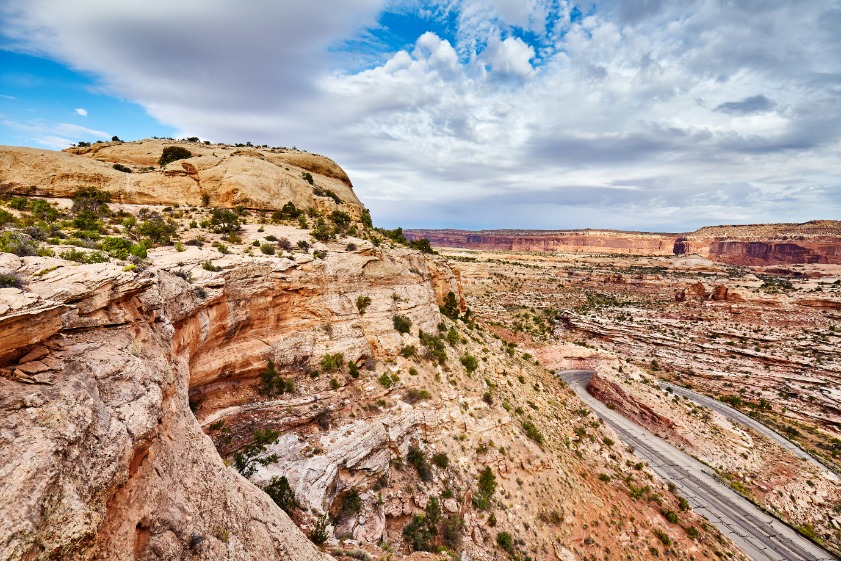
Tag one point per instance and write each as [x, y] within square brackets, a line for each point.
[636, 114]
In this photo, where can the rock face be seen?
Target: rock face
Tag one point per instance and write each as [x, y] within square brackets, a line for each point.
[585, 241]
[117, 467]
[811, 242]
[611, 394]
[222, 175]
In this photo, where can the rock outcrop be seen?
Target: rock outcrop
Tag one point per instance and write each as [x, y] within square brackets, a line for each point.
[215, 175]
[811, 242]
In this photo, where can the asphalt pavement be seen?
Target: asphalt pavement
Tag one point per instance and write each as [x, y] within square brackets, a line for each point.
[761, 536]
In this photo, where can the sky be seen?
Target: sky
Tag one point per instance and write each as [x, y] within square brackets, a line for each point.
[476, 114]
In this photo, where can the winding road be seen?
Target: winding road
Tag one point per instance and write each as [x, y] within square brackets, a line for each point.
[761, 536]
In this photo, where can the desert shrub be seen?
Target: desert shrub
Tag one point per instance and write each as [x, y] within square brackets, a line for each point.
[341, 219]
[505, 541]
[441, 460]
[284, 244]
[173, 153]
[385, 380]
[332, 194]
[692, 532]
[303, 245]
[401, 323]
[122, 168]
[408, 351]
[417, 534]
[362, 303]
[43, 210]
[469, 362]
[334, 384]
[684, 504]
[307, 176]
[288, 212]
[450, 307]
[532, 432]
[282, 494]
[320, 534]
[18, 243]
[158, 230]
[9, 280]
[352, 369]
[488, 398]
[321, 231]
[487, 487]
[224, 221]
[19, 203]
[86, 257]
[332, 362]
[452, 337]
[92, 200]
[414, 395]
[422, 244]
[121, 248]
[7, 217]
[662, 536]
[351, 504]
[247, 459]
[267, 249]
[319, 254]
[671, 516]
[417, 459]
[208, 266]
[433, 347]
[272, 383]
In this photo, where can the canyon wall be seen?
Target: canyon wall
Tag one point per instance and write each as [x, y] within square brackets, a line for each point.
[102, 457]
[764, 244]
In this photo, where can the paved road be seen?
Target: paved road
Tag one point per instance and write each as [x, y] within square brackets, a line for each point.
[761, 536]
[743, 419]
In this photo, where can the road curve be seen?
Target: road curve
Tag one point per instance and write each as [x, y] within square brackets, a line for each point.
[761, 536]
[744, 420]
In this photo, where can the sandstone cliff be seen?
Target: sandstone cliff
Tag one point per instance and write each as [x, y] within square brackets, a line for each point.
[215, 175]
[817, 241]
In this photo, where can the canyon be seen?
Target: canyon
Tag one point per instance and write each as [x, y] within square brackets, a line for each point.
[222, 358]
[817, 241]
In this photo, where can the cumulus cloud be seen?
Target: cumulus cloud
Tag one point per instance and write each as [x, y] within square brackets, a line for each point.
[641, 114]
[81, 111]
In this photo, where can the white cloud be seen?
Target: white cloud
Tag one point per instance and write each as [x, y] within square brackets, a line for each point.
[614, 120]
[81, 111]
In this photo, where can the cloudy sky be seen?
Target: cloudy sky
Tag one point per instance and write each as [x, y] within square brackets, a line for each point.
[640, 114]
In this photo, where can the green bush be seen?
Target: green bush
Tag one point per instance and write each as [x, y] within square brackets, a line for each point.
[86, 257]
[487, 487]
[469, 362]
[122, 168]
[9, 280]
[385, 380]
[246, 460]
[352, 369]
[332, 362]
[408, 351]
[288, 212]
[18, 203]
[282, 494]
[224, 221]
[43, 210]
[692, 532]
[362, 303]
[671, 516]
[18, 243]
[401, 323]
[417, 534]
[417, 459]
[267, 249]
[272, 383]
[433, 347]
[505, 541]
[7, 217]
[322, 232]
[441, 460]
[121, 248]
[450, 307]
[414, 395]
[173, 153]
[451, 528]
[91, 199]
[307, 176]
[158, 230]
[366, 218]
[351, 504]
[320, 534]
[532, 432]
